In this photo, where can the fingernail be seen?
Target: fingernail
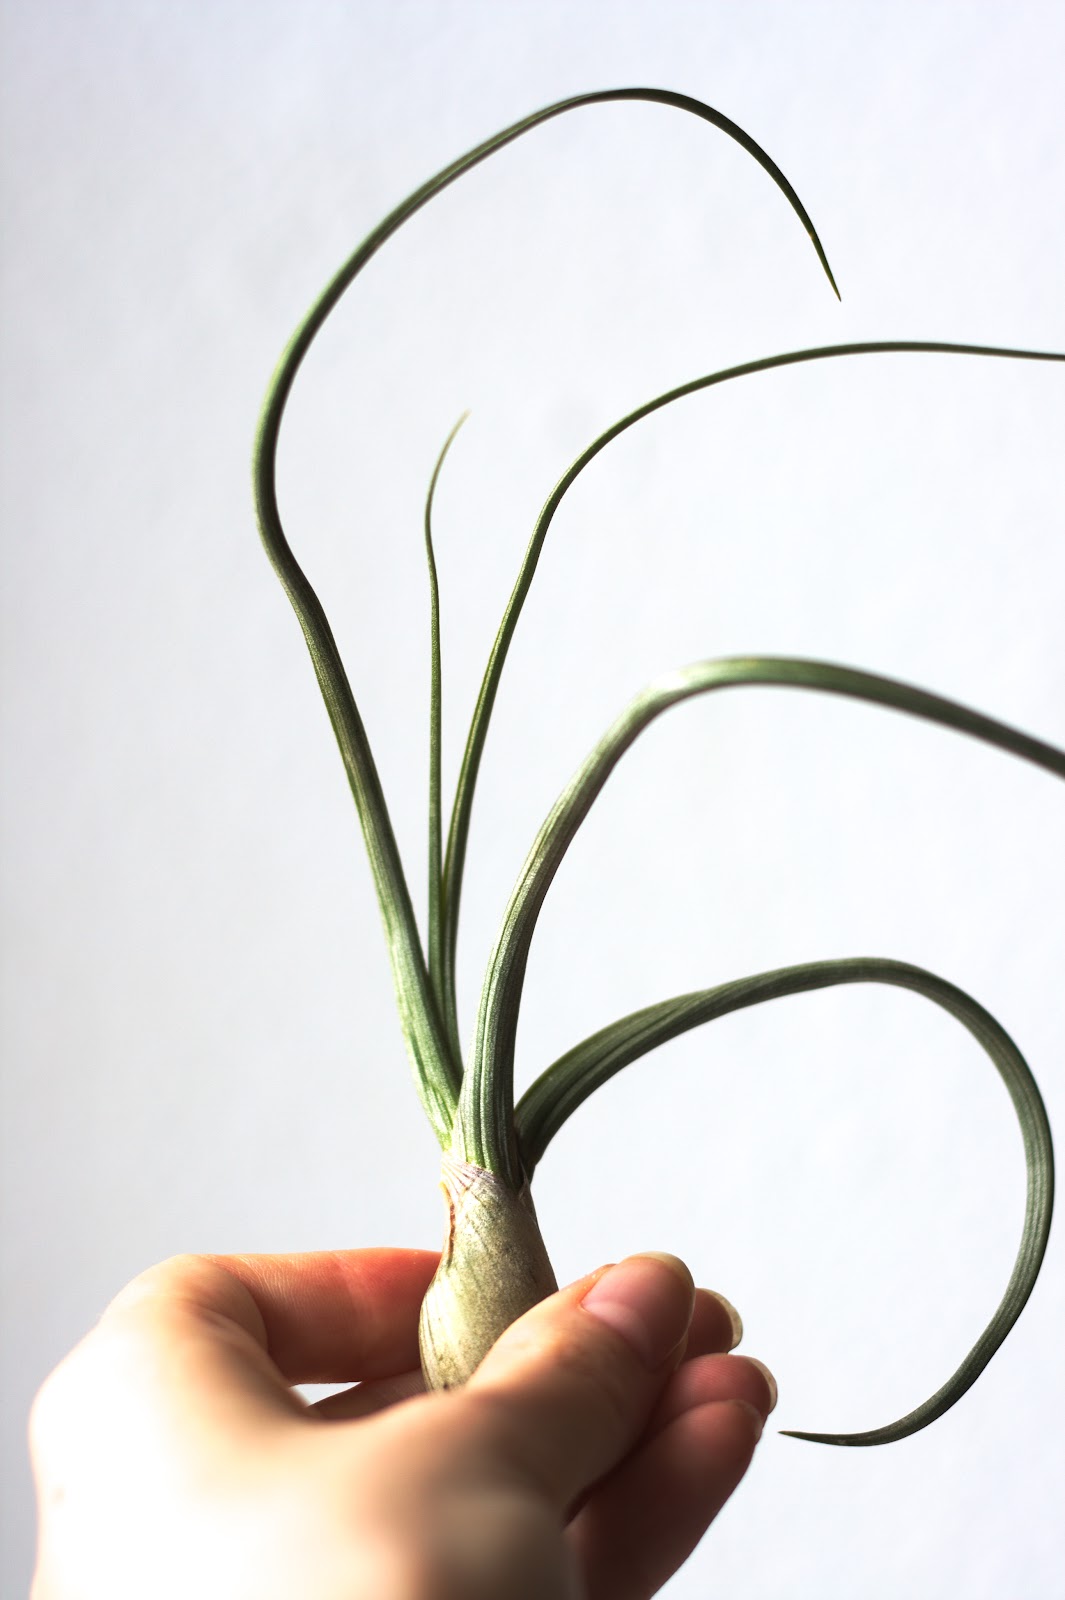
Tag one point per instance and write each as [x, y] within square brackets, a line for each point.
[769, 1378]
[648, 1299]
[733, 1315]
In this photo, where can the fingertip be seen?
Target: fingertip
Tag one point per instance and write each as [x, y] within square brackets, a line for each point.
[643, 1521]
[648, 1299]
[770, 1381]
[568, 1389]
[751, 1415]
[709, 1379]
[735, 1321]
[716, 1326]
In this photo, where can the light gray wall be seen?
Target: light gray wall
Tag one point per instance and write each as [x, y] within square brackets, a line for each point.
[200, 1050]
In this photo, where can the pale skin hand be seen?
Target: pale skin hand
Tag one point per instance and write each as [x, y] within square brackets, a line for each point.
[583, 1461]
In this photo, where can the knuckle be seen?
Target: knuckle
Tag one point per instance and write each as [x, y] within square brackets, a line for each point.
[43, 1408]
[175, 1276]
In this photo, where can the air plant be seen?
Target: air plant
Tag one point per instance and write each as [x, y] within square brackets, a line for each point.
[494, 1264]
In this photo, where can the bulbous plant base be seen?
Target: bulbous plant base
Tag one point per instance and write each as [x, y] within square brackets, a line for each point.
[493, 1269]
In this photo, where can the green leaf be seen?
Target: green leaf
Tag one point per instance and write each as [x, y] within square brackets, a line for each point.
[437, 1071]
[460, 817]
[486, 1100]
[442, 994]
[569, 1082]
[462, 810]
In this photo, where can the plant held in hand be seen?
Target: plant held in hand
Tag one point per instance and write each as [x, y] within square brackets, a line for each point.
[494, 1264]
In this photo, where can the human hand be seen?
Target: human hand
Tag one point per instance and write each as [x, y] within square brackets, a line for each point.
[583, 1460]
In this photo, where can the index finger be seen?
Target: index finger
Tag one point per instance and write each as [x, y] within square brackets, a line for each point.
[329, 1316]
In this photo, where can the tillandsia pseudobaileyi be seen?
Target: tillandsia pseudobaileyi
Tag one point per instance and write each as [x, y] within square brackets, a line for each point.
[494, 1264]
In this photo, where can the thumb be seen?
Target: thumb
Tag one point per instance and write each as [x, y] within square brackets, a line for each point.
[563, 1396]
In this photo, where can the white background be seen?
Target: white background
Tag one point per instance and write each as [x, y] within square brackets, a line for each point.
[200, 1049]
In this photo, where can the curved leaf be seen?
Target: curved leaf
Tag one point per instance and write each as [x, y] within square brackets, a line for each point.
[458, 835]
[569, 1082]
[436, 1071]
[486, 1100]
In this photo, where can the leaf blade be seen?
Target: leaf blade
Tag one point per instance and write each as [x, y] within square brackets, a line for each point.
[458, 836]
[462, 808]
[486, 1099]
[570, 1080]
[443, 990]
[437, 1074]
